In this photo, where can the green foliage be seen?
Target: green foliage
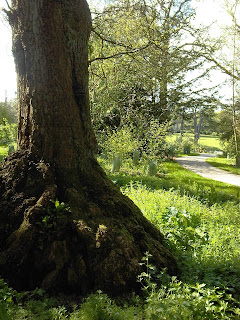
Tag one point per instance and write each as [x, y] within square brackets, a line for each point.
[201, 238]
[55, 214]
[228, 146]
[228, 128]
[173, 176]
[125, 146]
[187, 145]
[181, 229]
[100, 306]
[177, 300]
[224, 164]
[3, 151]
[184, 145]
[169, 298]
[120, 142]
[151, 168]
[154, 139]
[149, 278]
[206, 143]
[7, 296]
[8, 110]
[8, 132]
[205, 240]
[192, 228]
[140, 59]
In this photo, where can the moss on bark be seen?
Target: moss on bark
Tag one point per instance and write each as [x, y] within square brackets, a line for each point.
[98, 244]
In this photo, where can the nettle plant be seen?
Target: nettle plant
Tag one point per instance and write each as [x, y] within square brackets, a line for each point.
[169, 298]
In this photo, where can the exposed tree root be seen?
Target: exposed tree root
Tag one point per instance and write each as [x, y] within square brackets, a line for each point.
[97, 244]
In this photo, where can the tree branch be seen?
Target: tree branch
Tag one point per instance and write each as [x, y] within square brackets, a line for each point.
[8, 5]
[110, 40]
[119, 54]
[226, 71]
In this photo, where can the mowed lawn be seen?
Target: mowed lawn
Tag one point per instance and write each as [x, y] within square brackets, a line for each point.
[208, 142]
[224, 164]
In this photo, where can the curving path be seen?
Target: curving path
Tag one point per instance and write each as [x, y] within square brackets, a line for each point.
[198, 165]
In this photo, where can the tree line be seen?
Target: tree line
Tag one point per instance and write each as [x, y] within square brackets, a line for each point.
[149, 61]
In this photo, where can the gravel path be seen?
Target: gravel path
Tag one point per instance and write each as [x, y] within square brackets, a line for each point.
[198, 164]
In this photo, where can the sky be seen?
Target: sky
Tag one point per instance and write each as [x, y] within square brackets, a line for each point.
[211, 10]
[207, 12]
[7, 68]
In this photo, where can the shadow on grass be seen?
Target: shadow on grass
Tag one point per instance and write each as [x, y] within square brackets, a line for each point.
[224, 166]
[176, 177]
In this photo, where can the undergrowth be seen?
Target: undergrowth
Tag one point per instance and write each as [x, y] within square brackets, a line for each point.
[201, 227]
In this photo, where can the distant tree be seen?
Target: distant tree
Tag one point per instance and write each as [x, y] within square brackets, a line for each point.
[227, 60]
[226, 129]
[201, 110]
[141, 54]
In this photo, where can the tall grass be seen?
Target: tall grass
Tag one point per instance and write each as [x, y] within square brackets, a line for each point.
[206, 243]
[204, 239]
[172, 176]
[200, 222]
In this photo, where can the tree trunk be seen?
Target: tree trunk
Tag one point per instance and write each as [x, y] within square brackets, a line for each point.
[99, 242]
[163, 91]
[182, 125]
[197, 127]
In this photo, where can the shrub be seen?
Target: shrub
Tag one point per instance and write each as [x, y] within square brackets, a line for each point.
[151, 168]
[136, 157]
[187, 145]
[120, 143]
[100, 306]
[8, 132]
[116, 163]
[155, 140]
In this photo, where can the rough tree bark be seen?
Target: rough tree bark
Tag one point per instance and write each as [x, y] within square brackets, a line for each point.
[100, 242]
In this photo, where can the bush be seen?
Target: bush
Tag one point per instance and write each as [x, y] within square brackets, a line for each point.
[116, 163]
[187, 145]
[181, 145]
[155, 140]
[151, 168]
[100, 306]
[120, 142]
[8, 132]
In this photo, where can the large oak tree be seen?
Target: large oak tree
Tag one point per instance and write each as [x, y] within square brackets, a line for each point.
[99, 242]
